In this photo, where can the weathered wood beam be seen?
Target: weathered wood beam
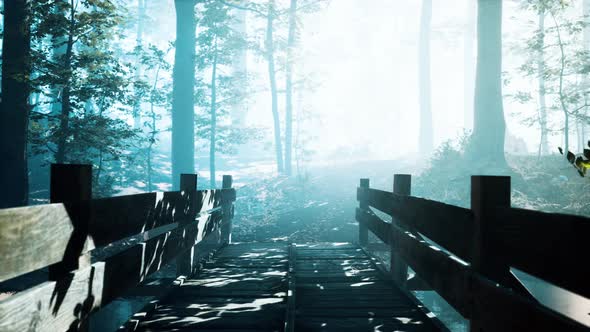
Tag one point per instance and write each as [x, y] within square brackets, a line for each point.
[447, 225]
[546, 245]
[32, 238]
[60, 305]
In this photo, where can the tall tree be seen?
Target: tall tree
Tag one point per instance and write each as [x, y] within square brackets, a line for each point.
[141, 9]
[469, 36]
[240, 63]
[586, 41]
[183, 82]
[270, 57]
[426, 134]
[291, 39]
[213, 113]
[487, 140]
[543, 145]
[66, 101]
[14, 107]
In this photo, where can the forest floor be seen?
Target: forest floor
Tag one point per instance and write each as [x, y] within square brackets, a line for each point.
[320, 206]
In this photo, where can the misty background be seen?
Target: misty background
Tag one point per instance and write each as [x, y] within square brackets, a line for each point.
[298, 100]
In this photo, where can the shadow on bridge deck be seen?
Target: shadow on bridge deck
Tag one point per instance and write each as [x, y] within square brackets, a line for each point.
[278, 287]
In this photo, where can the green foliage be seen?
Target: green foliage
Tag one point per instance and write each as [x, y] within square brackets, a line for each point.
[558, 51]
[218, 43]
[83, 85]
[446, 176]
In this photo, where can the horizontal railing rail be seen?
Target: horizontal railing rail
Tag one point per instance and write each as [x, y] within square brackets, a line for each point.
[480, 245]
[178, 226]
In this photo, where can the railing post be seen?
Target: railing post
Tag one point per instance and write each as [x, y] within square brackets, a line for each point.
[364, 205]
[68, 184]
[487, 194]
[227, 210]
[402, 185]
[184, 262]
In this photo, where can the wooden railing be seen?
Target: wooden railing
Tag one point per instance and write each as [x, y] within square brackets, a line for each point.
[91, 251]
[465, 255]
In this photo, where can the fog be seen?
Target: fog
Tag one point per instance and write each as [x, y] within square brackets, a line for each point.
[298, 100]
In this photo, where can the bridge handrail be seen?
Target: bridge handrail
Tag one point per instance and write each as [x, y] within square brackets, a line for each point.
[480, 245]
[153, 229]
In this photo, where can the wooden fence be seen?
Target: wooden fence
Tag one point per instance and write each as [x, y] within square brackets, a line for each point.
[465, 255]
[91, 251]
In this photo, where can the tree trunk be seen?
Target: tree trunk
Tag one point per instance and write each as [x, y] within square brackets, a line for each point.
[240, 65]
[66, 103]
[183, 82]
[487, 144]
[213, 117]
[58, 52]
[273, 86]
[562, 96]
[426, 139]
[586, 41]
[153, 130]
[543, 145]
[289, 88]
[138, 68]
[14, 116]
[469, 64]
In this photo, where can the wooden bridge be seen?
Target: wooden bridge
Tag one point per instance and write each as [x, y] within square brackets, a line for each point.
[61, 263]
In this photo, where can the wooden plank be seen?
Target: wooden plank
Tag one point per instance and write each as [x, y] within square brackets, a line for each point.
[487, 194]
[231, 313]
[252, 263]
[445, 275]
[228, 210]
[363, 205]
[379, 227]
[230, 284]
[116, 218]
[415, 283]
[545, 245]
[378, 199]
[342, 263]
[347, 301]
[445, 224]
[184, 262]
[55, 306]
[242, 273]
[329, 252]
[291, 292]
[326, 269]
[405, 311]
[350, 291]
[32, 238]
[71, 183]
[500, 309]
[398, 269]
[326, 245]
[354, 324]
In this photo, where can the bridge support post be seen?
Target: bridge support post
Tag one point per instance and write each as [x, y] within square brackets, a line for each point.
[487, 194]
[184, 262]
[364, 205]
[227, 210]
[71, 183]
[402, 185]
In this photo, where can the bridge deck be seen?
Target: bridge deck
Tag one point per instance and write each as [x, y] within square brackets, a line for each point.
[331, 287]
